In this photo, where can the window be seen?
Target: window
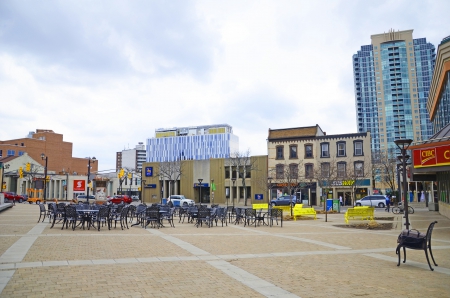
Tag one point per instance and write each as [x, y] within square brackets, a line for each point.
[11, 153]
[21, 153]
[341, 149]
[227, 172]
[293, 171]
[309, 151]
[1, 153]
[324, 150]
[293, 151]
[342, 169]
[358, 148]
[280, 153]
[359, 168]
[248, 172]
[325, 170]
[309, 171]
[280, 171]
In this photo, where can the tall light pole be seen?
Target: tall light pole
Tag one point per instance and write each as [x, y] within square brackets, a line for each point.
[232, 197]
[142, 190]
[212, 190]
[403, 145]
[93, 159]
[269, 179]
[200, 190]
[43, 157]
[309, 192]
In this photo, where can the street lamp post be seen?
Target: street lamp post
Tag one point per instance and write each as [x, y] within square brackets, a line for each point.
[309, 192]
[200, 190]
[270, 190]
[142, 190]
[93, 159]
[232, 197]
[43, 157]
[403, 145]
[212, 191]
[399, 192]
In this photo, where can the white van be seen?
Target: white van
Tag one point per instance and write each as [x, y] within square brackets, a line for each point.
[373, 201]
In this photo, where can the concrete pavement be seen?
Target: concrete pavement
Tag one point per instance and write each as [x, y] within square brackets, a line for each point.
[304, 258]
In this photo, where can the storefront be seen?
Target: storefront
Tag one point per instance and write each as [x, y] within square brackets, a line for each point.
[345, 188]
[431, 162]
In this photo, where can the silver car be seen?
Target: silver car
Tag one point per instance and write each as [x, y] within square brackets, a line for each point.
[373, 201]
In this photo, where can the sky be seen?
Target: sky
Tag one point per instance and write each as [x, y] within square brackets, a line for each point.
[106, 74]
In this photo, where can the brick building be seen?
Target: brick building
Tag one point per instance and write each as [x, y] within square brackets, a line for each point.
[52, 145]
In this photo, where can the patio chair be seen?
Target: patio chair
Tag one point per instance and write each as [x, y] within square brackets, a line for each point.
[121, 217]
[231, 213]
[249, 216]
[70, 217]
[275, 215]
[168, 215]
[238, 215]
[204, 216]
[42, 212]
[103, 217]
[413, 239]
[57, 214]
[131, 212]
[152, 217]
[221, 215]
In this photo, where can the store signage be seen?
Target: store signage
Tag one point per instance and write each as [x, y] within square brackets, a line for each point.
[432, 156]
[349, 182]
[259, 197]
[79, 185]
[148, 171]
[203, 184]
[150, 186]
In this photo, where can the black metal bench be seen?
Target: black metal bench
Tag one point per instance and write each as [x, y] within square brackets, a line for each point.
[413, 239]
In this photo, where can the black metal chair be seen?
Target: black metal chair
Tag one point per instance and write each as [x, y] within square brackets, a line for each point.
[249, 217]
[204, 216]
[413, 239]
[121, 217]
[275, 215]
[152, 217]
[168, 215]
[221, 215]
[42, 212]
[103, 217]
[57, 213]
[70, 217]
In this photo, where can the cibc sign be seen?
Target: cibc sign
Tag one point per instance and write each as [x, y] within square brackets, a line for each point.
[79, 185]
[432, 156]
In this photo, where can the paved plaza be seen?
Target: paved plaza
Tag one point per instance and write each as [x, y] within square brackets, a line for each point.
[304, 258]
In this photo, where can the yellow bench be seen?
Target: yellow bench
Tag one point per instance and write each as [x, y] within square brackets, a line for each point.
[363, 212]
[260, 206]
[303, 211]
[287, 208]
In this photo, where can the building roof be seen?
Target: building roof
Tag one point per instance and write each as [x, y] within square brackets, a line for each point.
[7, 158]
[297, 132]
[442, 136]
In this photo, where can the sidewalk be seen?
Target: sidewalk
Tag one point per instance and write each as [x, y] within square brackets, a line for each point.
[304, 258]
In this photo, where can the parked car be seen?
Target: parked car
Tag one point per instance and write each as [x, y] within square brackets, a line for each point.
[120, 199]
[83, 198]
[285, 200]
[374, 200]
[135, 198]
[180, 200]
[12, 196]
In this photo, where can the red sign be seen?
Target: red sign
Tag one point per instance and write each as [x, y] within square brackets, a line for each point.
[79, 185]
[432, 156]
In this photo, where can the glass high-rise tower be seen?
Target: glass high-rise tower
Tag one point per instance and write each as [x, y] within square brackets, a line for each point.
[392, 78]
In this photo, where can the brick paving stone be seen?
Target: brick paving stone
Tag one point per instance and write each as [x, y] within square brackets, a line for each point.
[145, 263]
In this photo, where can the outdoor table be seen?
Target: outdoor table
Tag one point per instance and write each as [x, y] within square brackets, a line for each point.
[87, 217]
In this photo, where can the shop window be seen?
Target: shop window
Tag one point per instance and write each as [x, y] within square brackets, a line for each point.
[340, 149]
[325, 149]
[280, 152]
[280, 171]
[309, 151]
[293, 151]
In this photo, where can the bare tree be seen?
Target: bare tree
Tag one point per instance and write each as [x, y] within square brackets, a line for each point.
[325, 174]
[358, 171]
[171, 171]
[385, 167]
[288, 175]
[36, 170]
[242, 164]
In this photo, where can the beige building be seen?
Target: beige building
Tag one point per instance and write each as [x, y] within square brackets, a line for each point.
[313, 165]
[216, 175]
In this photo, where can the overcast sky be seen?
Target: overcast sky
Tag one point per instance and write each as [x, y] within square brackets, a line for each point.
[106, 74]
